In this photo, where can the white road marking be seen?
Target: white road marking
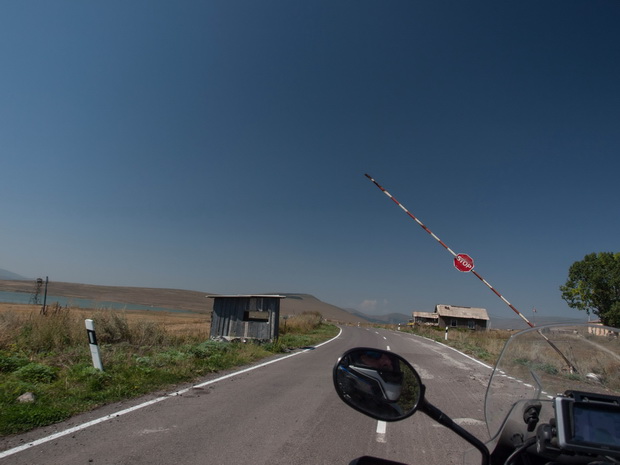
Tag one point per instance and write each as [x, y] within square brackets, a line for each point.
[464, 355]
[88, 424]
[469, 421]
[463, 421]
[424, 374]
[467, 356]
[151, 431]
[381, 430]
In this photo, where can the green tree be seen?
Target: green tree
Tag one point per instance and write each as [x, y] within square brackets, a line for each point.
[593, 285]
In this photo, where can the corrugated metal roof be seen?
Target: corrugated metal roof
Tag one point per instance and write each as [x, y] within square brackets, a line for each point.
[462, 312]
[434, 316]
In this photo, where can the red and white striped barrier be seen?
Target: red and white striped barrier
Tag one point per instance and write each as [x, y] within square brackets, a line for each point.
[462, 262]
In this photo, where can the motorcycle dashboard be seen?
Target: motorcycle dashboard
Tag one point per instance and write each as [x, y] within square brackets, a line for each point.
[588, 427]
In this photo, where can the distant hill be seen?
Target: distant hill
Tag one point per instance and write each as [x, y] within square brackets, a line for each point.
[389, 319]
[295, 304]
[10, 276]
[194, 301]
[168, 298]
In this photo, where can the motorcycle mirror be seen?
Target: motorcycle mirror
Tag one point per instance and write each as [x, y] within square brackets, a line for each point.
[378, 383]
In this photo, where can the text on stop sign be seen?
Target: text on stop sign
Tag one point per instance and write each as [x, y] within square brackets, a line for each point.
[463, 262]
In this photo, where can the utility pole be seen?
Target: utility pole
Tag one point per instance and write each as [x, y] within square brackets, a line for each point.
[44, 308]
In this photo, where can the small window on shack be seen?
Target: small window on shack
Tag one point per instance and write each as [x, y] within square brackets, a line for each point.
[255, 315]
[254, 310]
[454, 323]
[471, 324]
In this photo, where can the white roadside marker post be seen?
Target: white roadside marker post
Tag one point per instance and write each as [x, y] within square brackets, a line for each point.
[94, 347]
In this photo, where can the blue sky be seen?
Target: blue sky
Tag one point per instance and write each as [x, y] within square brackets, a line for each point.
[221, 146]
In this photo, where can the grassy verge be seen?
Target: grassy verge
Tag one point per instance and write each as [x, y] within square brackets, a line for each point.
[483, 345]
[48, 356]
[302, 330]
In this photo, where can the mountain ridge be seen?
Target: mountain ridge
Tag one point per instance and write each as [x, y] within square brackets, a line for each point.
[10, 276]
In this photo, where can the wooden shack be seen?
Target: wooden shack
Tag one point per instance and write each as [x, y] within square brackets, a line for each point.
[452, 316]
[245, 317]
[462, 317]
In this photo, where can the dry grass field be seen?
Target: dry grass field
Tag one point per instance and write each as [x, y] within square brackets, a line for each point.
[174, 322]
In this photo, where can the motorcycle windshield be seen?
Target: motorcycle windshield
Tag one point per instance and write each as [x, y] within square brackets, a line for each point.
[539, 363]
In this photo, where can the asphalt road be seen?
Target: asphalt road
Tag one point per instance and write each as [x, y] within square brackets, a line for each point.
[285, 412]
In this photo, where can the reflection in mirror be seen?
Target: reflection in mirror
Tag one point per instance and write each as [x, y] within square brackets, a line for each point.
[378, 383]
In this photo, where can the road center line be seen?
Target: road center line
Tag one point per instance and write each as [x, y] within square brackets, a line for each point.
[88, 424]
[381, 430]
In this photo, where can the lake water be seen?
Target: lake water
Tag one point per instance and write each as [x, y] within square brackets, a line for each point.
[25, 298]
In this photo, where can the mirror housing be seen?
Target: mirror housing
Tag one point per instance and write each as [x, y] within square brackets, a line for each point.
[378, 383]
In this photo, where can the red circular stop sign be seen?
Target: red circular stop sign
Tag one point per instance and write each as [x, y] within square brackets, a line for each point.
[463, 262]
